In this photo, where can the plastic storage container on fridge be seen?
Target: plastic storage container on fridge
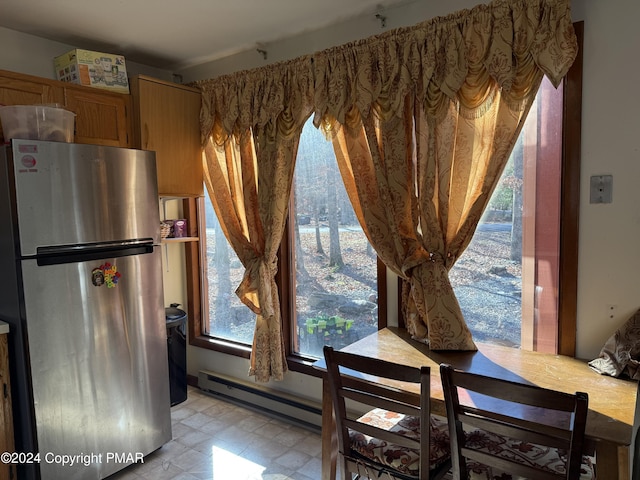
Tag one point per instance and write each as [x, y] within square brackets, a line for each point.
[37, 122]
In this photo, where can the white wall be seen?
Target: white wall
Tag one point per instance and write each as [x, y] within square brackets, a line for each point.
[609, 250]
[33, 55]
[401, 16]
[609, 259]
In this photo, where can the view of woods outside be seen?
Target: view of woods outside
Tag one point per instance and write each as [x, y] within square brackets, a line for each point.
[229, 318]
[487, 278]
[336, 269]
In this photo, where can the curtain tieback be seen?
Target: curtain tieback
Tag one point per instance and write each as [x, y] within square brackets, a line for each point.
[436, 257]
[267, 272]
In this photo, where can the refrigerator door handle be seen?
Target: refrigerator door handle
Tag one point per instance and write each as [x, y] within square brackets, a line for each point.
[60, 254]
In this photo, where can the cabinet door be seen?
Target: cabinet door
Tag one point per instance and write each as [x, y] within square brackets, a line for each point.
[17, 89]
[168, 122]
[26, 90]
[102, 117]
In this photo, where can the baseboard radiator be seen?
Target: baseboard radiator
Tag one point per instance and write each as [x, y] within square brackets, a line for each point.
[262, 399]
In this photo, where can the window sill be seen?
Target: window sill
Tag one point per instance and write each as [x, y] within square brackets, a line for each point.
[304, 366]
[180, 239]
[223, 346]
[295, 363]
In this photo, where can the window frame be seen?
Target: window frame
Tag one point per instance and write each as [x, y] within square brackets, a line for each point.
[196, 279]
[296, 362]
[570, 202]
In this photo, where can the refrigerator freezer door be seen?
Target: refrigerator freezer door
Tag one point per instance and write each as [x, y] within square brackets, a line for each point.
[98, 355]
[69, 194]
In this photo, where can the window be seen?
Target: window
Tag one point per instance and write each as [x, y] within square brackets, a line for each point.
[335, 280]
[229, 319]
[540, 330]
[326, 260]
[506, 281]
[487, 277]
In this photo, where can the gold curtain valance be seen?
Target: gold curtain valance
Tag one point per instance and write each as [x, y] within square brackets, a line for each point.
[280, 94]
[461, 57]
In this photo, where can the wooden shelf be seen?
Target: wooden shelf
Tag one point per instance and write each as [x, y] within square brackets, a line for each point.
[180, 239]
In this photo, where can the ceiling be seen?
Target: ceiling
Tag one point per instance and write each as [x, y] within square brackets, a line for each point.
[175, 34]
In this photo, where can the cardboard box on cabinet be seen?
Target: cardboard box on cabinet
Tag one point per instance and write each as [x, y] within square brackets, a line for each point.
[93, 69]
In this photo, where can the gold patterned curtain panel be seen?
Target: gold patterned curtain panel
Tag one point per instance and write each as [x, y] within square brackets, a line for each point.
[251, 125]
[423, 121]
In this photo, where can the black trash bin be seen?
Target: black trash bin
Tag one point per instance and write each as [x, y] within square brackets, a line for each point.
[177, 346]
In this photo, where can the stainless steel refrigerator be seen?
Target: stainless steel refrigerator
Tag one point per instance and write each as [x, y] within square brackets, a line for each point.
[81, 287]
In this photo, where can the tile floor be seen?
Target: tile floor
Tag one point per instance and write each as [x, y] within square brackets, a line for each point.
[217, 440]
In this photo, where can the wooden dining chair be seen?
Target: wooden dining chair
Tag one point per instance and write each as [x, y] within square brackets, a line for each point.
[634, 448]
[493, 434]
[397, 437]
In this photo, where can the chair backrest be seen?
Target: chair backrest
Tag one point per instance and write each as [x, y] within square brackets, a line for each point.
[521, 412]
[353, 377]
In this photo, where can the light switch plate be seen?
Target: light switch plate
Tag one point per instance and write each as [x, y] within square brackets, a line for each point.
[601, 189]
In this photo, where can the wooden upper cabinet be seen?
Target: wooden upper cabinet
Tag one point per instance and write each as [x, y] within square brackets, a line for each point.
[18, 89]
[102, 117]
[167, 121]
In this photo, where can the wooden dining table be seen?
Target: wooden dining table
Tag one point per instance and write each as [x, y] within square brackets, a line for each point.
[611, 400]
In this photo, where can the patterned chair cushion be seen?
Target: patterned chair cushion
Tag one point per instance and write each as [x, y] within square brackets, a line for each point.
[531, 454]
[400, 458]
